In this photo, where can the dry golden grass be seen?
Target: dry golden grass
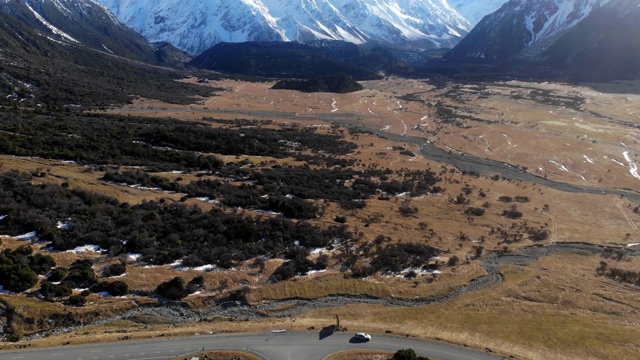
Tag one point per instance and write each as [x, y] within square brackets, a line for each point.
[361, 355]
[379, 286]
[541, 311]
[79, 177]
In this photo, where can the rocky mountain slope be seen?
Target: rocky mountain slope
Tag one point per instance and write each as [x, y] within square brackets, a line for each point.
[79, 23]
[66, 53]
[419, 24]
[520, 25]
[605, 45]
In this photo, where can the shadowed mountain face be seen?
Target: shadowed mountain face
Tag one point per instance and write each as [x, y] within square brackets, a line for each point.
[53, 55]
[520, 25]
[605, 45]
[79, 23]
[584, 39]
[296, 60]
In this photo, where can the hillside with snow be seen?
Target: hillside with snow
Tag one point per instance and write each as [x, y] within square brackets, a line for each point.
[521, 25]
[416, 24]
[79, 23]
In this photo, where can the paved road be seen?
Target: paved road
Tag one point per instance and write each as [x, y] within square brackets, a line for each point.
[285, 346]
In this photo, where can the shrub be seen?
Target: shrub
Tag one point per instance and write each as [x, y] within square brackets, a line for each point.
[57, 274]
[49, 290]
[114, 270]
[173, 289]
[474, 211]
[406, 210]
[41, 264]
[81, 274]
[77, 300]
[17, 277]
[405, 354]
[512, 213]
[453, 261]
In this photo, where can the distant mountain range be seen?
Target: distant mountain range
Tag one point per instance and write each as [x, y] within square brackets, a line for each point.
[585, 37]
[591, 38]
[520, 25]
[195, 26]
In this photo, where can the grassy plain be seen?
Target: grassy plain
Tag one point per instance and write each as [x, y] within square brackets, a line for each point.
[557, 307]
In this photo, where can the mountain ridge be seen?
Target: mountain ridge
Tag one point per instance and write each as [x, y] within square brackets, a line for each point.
[422, 24]
[520, 25]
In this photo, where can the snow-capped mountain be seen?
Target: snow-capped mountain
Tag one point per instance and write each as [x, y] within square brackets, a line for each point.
[79, 23]
[522, 25]
[475, 10]
[198, 25]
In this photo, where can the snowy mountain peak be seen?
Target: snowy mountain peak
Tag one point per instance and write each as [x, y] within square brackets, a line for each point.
[475, 10]
[202, 24]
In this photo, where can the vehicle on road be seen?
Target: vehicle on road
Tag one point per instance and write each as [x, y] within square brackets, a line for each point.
[362, 336]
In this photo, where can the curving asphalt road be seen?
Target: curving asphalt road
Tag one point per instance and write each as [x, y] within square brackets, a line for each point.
[269, 346]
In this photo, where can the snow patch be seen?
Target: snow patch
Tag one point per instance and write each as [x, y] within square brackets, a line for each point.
[31, 236]
[84, 249]
[53, 29]
[134, 257]
[560, 166]
[633, 167]
[63, 225]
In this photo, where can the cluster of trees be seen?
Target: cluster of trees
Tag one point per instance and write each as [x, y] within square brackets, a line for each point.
[163, 144]
[512, 212]
[508, 199]
[329, 184]
[161, 232]
[287, 190]
[176, 288]
[19, 268]
[298, 264]
[407, 354]
[617, 274]
[392, 259]
[336, 83]
[95, 139]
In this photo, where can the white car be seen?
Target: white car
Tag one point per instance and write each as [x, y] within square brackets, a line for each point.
[362, 336]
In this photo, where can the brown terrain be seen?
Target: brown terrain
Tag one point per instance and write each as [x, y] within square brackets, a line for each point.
[557, 306]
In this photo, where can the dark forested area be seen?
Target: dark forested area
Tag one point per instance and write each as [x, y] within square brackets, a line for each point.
[159, 143]
[161, 231]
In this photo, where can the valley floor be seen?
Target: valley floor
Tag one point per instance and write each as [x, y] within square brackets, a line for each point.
[513, 292]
